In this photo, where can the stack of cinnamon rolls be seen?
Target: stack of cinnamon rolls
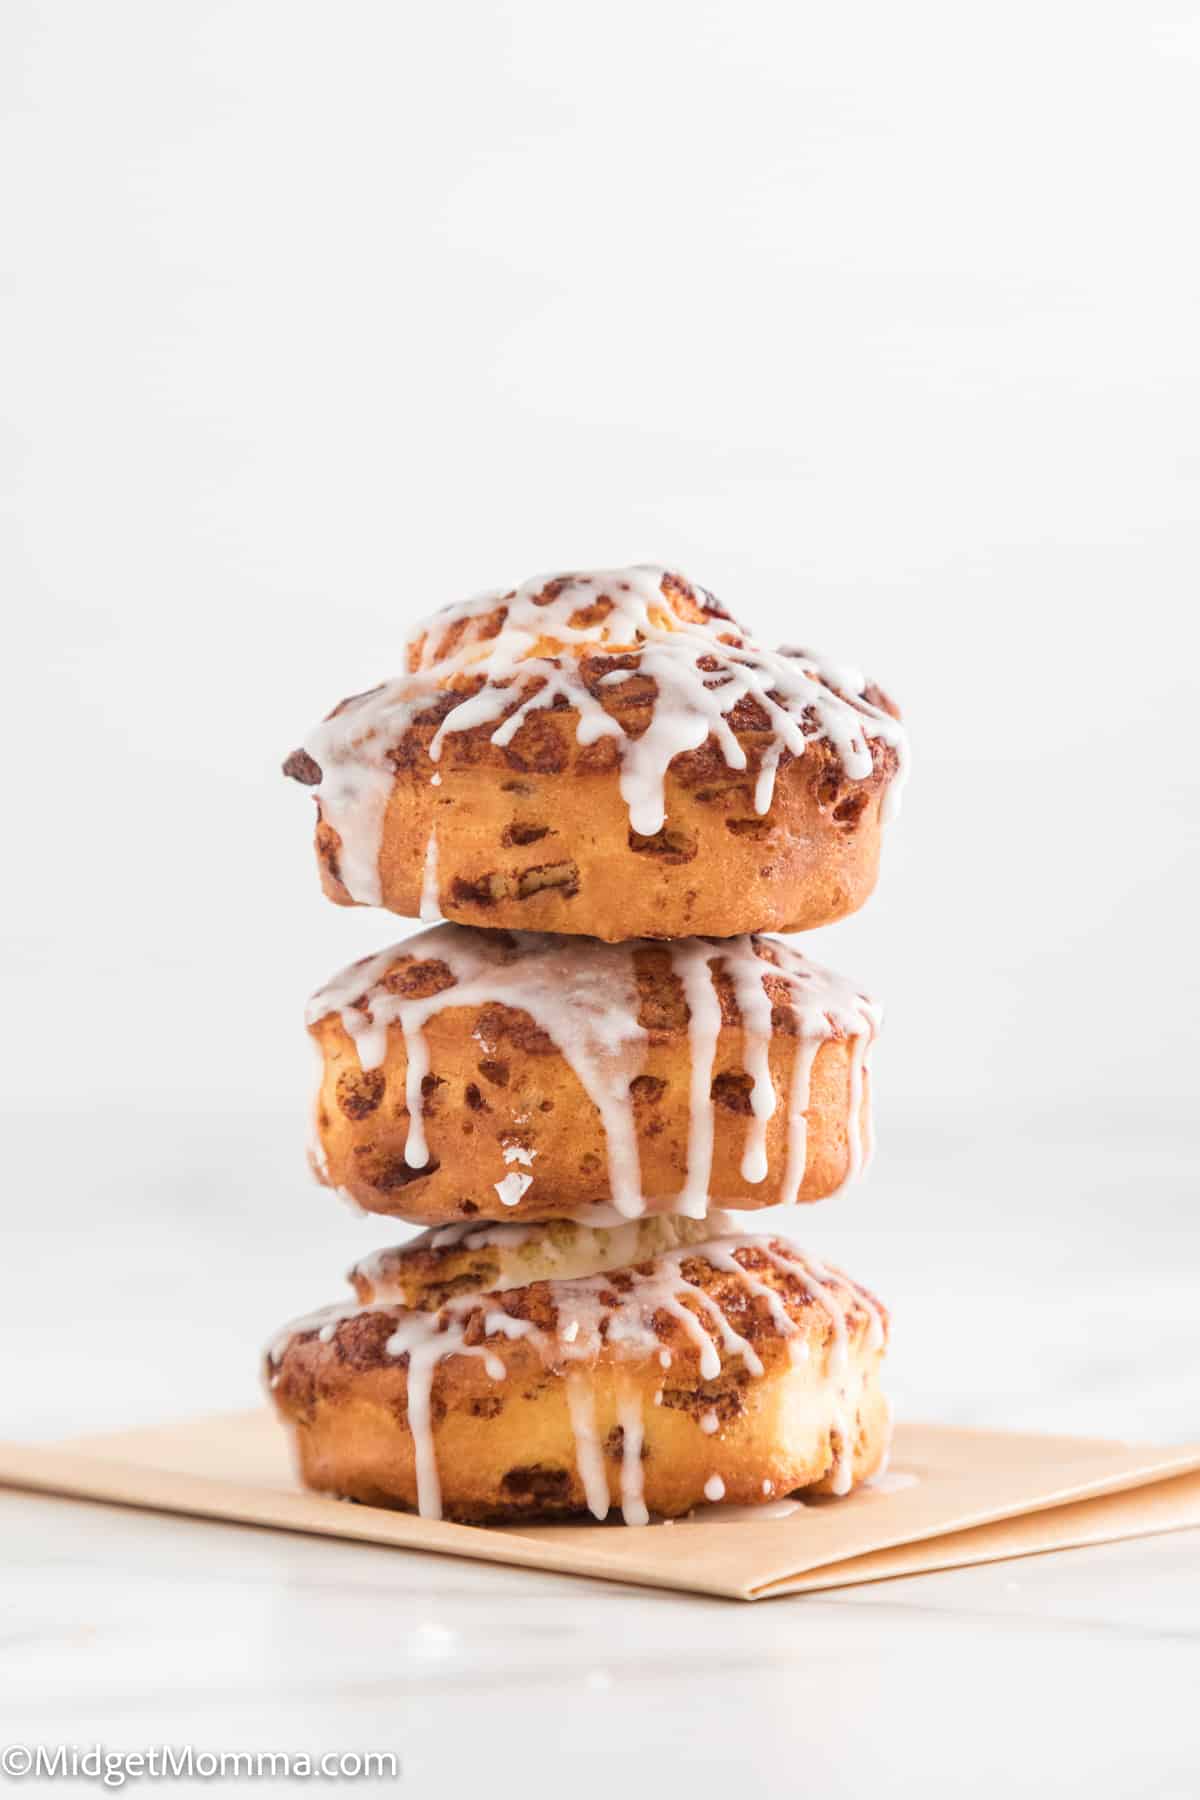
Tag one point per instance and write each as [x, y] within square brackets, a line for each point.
[586, 1083]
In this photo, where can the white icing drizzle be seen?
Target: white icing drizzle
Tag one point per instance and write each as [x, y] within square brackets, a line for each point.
[589, 1455]
[354, 799]
[845, 1424]
[742, 1515]
[732, 1341]
[754, 1005]
[885, 1461]
[723, 1258]
[313, 1322]
[592, 1317]
[823, 1006]
[858, 1147]
[701, 670]
[584, 995]
[798, 1101]
[690, 958]
[891, 1481]
[714, 1488]
[424, 1352]
[430, 907]
[813, 1273]
[318, 1161]
[629, 1416]
[558, 1249]
[842, 1479]
[668, 1302]
[512, 1187]
[709, 1422]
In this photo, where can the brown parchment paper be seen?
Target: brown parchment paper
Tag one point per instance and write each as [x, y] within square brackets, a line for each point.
[952, 1497]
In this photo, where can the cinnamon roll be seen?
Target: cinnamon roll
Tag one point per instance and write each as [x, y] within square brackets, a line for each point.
[607, 754]
[733, 1369]
[514, 1075]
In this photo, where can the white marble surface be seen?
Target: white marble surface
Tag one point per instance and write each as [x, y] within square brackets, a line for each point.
[1042, 1274]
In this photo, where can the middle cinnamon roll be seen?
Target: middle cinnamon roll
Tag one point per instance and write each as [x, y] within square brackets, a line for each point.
[472, 1074]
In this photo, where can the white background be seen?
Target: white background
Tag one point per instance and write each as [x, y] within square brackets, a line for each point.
[879, 320]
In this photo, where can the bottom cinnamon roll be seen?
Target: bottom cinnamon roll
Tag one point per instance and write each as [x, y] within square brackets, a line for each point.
[730, 1368]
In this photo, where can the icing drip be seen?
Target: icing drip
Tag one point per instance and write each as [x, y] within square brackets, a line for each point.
[548, 629]
[822, 1006]
[354, 798]
[590, 1318]
[690, 959]
[710, 1358]
[424, 1353]
[798, 1099]
[429, 908]
[722, 1258]
[825, 1297]
[318, 1161]
[754, 1004]
[629, 1415]
[732, 1341]
[886, 1461]
[842, 1479]
[714, 1488]
[584, 995]
[589, 1456]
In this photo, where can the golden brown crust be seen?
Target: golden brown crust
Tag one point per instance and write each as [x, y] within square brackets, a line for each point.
[501, 1094]
[519, 1463]
[506, 1448]
[535, 835]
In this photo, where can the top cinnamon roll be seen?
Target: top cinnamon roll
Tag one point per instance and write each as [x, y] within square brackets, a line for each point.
[607, 754]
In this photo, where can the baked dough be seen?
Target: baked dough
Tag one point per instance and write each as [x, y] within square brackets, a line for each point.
[607, 754]
[494, 1075]
[736, 1369]
[438, 1265]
